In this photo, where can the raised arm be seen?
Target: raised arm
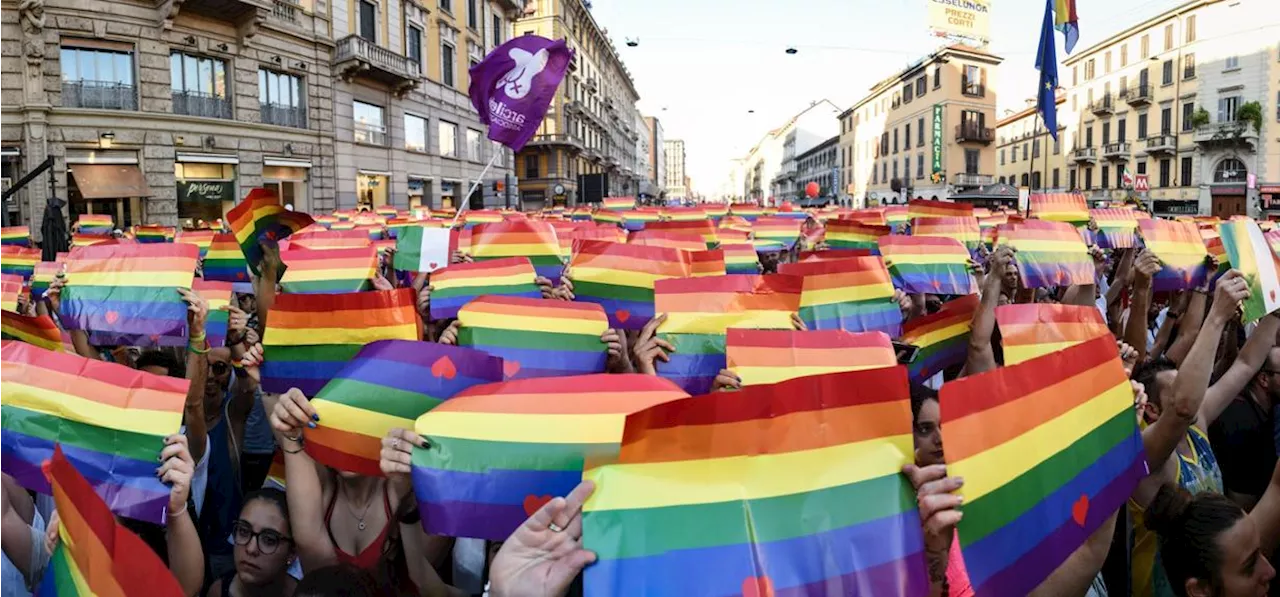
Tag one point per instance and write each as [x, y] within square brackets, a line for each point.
[290, 412]
[1190, 321]
[197, 372]
[981, 356]
[1135, 332]
[1246, 365]
[1075, 575]
[186, 557]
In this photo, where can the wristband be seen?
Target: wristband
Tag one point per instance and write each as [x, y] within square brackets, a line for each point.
[237, 363]
[192, 348]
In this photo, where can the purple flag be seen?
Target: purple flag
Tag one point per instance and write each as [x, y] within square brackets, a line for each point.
[513, 86]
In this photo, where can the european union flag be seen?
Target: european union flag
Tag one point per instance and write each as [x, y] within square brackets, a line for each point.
[1047, 63]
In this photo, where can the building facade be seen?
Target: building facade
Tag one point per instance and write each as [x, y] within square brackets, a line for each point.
[1027, 155]
[763, 170]
[585, 148]
[645, 185]
[675, 184]
[819, 165]
[657, 155]
[925, 132]
[1163, 101]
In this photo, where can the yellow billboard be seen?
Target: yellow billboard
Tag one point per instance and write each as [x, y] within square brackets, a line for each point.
[968, 19]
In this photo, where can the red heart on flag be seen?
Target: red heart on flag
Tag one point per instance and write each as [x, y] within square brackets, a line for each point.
[533, 502]
[240, 275]
[1080, 510]
[1273, 295]
[155, 338]
[511, 368]
[112, 317]
[432, 266]
[757, 586]
[443, 367]
[936, 284]
[622, 315]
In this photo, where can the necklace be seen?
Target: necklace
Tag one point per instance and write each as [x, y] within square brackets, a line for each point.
[359, 517]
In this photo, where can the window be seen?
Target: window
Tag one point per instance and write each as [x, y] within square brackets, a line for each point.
[1165, 165]
[1071, 177]
[1124, 61]
[1035, 148]
[1168, 37]
[895, 169]
[920, 132]
[1146, 46]
[1088, 179]
[447, 139]
[875, 174]
[906, 168]
[1189, 66]
[1186, 171]
[971, 157]
[906, 136]
[446, 5]
[1227, 107]
[974, 79]
[919, 165]
[415, 133]
[1142, 167]
[895, 140]
[1142, 125]
[199, 86]
[1075, 76]
[531, 166]
[1013, 155]
[415, 45]
[1088, 136]
[884, 171]
[446, 64]
[1191, 28]
[907, 93]
[98, 78]
[473, 145]
[1106, 63]
[1166, 120]
[1024, 152]
[473, 21]
[281, 99]
[1232, 63]
[369, 20]
[1106, 178]
[1001, 157]
[497, 30]
[937, 76]
[1088, 70]
[1057, 146]
[1106, 133]
[1230, 170]
[1120, 130]
[1188, 109]
[368, 124]
[1056, 179]
[922, 85]
[1166, 77]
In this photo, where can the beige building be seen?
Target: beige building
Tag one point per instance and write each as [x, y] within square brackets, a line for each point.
[1162, 101]
[585, 149]
[1027, 155]
[927, 130]
[160, 112]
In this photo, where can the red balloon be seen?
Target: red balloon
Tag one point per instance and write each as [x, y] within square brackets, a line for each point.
[811, 190]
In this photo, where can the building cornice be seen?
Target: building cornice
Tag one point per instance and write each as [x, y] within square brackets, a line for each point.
[1129, 31]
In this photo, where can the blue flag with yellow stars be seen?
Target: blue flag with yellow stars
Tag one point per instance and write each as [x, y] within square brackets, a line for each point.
[1047, 63]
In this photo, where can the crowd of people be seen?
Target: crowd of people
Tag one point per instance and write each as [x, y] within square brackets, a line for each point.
[1205, 522]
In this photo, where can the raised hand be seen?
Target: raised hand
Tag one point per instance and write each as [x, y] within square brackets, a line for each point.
[237, 321]
[798, 324]
[396, 457]
[1232, 288]
[939, 512]
[450, 334]
[176, 470]
[1129, 355]
[564, 291]
[252, 360]
[197, 311]
[380, 282]
[650, 348]
[293, 412]
[1145, 266]
[544, 555]
[545, 286]
[726, 381]
[618, 361]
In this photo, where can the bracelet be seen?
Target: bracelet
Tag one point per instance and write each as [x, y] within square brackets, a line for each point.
[237, 363]
[199, 338]
[195, 350]
[294, 438]
[293, 451]
[179, 512]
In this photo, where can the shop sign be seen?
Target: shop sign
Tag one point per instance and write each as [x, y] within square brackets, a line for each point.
[1184, 207]
[206, 190]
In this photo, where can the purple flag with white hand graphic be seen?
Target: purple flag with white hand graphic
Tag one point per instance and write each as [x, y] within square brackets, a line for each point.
[513, 86]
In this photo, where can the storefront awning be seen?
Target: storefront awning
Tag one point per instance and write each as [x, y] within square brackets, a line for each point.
[109, 181]
[286, 162]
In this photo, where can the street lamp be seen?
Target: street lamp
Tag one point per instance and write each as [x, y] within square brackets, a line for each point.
[791, 50]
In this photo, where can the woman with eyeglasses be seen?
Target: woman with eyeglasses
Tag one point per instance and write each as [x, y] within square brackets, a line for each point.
[263, 549]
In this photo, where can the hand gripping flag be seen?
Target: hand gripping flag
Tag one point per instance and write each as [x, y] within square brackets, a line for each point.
[513, 86]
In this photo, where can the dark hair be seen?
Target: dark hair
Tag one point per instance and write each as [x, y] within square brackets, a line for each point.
[1188, 527]
[163, 359]
[919, 394]
[338, 580]
[1145, 373]
[272, 495]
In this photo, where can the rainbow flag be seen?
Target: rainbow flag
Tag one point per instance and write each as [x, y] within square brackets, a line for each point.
[1117, 228]
[699, 310]
[1050, 254]
[372, 232]
[618, 203]
[202, 239]
[761, 357]
[260, 216]
[110, 419]
[737, 223]
[684, 214]
[740, 258]
[154, 234]
[328, 271]
[671, 240]
[720, 495]
[854, 295]
[16, 236]
[39, 330]
[637, 219]
[1212, 245]
[19, 261]
[342, 225]
[1248, 251]
[224, 262]
[97, 555]
[536, 337]
[835, 254]
[1060, 207]
[925, 208]
[498, 452]
[1181, 251]
[218, 295]
[326, 221]
[850, 234]
[778, 229]
[480, 216]
[329, 239]
[387, 211]
[716, 210]
[898, 215]
[607, 217]
[1049, 449]
[928, 264]
[1032, 330]
[310, 337]
[460, 283]
[94, 224]
[704, 228]
[85, 240]
[620, 278]
[127, 294]
[964, 229]
[520, 238]
[942, 337]
[388, 385]
[868, 217]
[10, 290]
[748, 211]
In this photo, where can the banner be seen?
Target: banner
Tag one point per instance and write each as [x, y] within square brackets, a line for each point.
[970, 19]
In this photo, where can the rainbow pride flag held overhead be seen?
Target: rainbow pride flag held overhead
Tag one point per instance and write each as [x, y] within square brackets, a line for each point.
[1248, 252]
[110, 419]
[851, 234]
[310, 337]
[928, 264]
[85, 240]
[1032, 330]
[202, 239]
[740, 258]
[1181, 251]
[761, 357]
[925, 208]
[38, 330]
[778, 229]
[94, 224]
[154, 234]
[520, 238]
[854, 295]
[869, 216]
[749, 211]
[218, 295]
[1117, 228]
[608, 217]
[19, 261]
[618, 203]
[388, 385]
[10, 290]
[1049, 449]
[716, 210]
[329, 239]
[1050, 254]
[942, 337]
[704, 228]
[128, 293]
[536, 337]
[964, 229]
[684, 214]
[835, 254]
[620, 278]
[700, 310]
[328, 271]
[898, 215]
[224, 262]
[498, 452]
[672, 240]
[16, 236]
[96, 554]
[461, 283]
[260, 216]
[719, 495]
[1059, 207]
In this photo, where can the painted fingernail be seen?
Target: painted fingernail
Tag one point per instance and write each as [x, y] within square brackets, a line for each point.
[315, 417]
[311, 425]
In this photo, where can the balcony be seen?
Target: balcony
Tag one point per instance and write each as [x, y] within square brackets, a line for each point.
[101, 95]
[1084, 154]
[1103, 105]
[281, 115]
[554, 139]
[227, 10]
[204, 105]
[359, 57]
[287, 11]
[1138, 95]
[968, 179]
[1158, 144]
[1116, 151]
[1227, 134]
[972, 133]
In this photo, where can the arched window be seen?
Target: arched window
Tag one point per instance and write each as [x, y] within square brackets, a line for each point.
[1025, 180]
[1230, 170]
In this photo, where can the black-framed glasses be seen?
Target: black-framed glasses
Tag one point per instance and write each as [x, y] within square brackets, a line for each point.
[219, 368]
[268, 540]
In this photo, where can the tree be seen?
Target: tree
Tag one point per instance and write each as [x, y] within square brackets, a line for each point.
[1250, 113]
[1200, 117]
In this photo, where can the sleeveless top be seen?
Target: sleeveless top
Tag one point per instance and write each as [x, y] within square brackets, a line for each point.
[1196, 473]
[367, 559]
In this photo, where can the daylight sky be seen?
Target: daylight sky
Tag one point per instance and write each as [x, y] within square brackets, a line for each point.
[702, 64]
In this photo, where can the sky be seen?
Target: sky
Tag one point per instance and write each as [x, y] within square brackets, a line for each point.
[701, 66]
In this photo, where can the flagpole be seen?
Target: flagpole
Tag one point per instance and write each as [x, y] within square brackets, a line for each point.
[479, 179]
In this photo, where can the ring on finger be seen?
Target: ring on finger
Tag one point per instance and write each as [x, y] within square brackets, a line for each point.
[555, 528]
[395, 444]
